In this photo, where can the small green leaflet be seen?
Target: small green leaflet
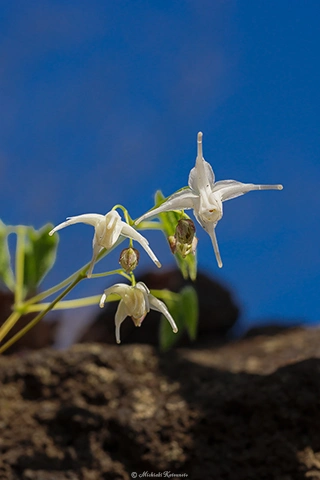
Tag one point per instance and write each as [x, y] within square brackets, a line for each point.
[184, 310]
[40, 255]
[190, 310]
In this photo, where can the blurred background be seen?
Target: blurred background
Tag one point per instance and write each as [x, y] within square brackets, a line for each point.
[101, 103]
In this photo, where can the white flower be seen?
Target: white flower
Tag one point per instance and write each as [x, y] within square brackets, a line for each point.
[135, 302]
[108, 229]
[205, 196]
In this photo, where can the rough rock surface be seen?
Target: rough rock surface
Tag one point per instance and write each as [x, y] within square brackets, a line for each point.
[246, 410]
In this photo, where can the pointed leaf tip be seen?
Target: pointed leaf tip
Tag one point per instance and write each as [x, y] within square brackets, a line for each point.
[40, 255]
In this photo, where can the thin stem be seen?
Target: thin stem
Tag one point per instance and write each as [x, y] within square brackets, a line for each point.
[127, 217]
[41, 296]
[20, 251]
[33, 322]
[9, 324]
[77, 303]
[112, 272]
[145, 225]
[165, 294]
[66, 304]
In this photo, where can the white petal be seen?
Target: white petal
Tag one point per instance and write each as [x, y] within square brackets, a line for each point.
[209, 227]
[143, 287]
[181, 200]
[102, 300]
[119, 289]
[201, 177]
[214, 240]
[121, 315]
[229, 189]
[130, 232]
[159, 306]
[88, 218]
[108, 230]
[112, 219]
[96, 251]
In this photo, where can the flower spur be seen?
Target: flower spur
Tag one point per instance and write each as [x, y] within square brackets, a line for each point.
[136, 301]
[108, 228]
[205, 197]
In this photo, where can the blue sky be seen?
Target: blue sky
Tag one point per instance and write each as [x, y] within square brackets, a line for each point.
[101, 103]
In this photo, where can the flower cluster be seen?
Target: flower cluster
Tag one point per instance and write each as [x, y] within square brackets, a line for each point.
[203, 195]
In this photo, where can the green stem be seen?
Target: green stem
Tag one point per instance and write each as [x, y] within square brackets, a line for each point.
[20, 250]
[165, 294]
[66, 304]
[133, 279]
[9, 324]
[77, 303]
[112, 272]
[127, 217]
[145, 225]
[41, 296]
[37, 319]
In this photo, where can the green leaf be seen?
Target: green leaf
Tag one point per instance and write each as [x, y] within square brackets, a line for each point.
[190, 310]
[183, 307]
[166, 336]
[6, 273]
[169, 220]
[40, 255]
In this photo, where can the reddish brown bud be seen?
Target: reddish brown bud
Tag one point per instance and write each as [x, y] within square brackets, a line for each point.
[129, 259]
[185, 231]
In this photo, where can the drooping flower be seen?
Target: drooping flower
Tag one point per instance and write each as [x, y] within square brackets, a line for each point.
[205, 197]
[108, 229]
[136, 301]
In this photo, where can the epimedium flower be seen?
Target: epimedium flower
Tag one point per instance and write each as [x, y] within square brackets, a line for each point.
[108, 228]
[136, 301]
[205, 197]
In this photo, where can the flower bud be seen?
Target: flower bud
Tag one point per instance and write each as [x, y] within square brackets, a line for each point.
[185, 231]
[184, 240]
[129, 259]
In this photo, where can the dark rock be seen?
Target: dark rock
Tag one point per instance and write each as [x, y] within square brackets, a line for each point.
[271, 329]
[245, 411]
